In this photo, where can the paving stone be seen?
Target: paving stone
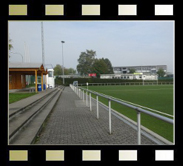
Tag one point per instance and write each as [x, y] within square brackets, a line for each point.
[72, 123]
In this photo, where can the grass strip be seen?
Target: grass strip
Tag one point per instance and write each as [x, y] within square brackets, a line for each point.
[13, 97]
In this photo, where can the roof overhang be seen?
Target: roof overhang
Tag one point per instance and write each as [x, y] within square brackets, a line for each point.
[27, 68]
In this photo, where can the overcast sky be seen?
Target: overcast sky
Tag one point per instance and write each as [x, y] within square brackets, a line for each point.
[124, 43]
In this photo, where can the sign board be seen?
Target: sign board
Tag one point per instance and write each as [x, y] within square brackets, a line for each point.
[92, 74]
[137, 73]
[75, 83]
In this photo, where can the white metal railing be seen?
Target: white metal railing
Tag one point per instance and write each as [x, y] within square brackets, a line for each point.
[128, 83]
[81, 93]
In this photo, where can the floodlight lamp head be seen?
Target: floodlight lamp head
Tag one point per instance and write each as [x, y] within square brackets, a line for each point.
[62, 41]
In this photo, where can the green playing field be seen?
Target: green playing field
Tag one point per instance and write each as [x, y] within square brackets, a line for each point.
[155, 98]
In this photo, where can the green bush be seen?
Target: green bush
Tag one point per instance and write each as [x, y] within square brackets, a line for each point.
[58, 81]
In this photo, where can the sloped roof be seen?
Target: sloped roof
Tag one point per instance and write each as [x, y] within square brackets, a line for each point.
[24, 65]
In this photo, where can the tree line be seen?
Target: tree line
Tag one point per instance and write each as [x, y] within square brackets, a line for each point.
[58, 70]
[88, 63]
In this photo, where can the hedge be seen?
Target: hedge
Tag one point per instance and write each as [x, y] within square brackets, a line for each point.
[58, 81]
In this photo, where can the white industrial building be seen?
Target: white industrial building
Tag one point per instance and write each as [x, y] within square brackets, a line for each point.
[50, 79]
[135, 76]
[50, 76]
[149, 69]
[148, 72]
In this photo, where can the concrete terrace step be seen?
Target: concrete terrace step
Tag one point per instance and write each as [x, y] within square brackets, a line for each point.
[24, 104]
[29, 133]
[23, 118]
[28, 102]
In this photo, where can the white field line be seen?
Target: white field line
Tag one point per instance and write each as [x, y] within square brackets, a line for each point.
[140, 106]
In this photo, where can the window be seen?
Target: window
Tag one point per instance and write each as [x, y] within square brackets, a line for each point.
[22, 79]
[39, 80]
[50, 74]
[10, 78]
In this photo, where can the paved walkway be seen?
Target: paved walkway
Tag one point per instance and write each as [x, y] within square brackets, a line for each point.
[71, 123]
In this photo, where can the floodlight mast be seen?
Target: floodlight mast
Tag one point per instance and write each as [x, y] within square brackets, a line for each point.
[63, 63]
[42, 41]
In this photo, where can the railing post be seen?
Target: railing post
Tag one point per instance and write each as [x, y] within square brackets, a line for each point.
[86, 99]
[97, 108]
[90, 103]
[138, 128]
[109, 116]
[83, 95]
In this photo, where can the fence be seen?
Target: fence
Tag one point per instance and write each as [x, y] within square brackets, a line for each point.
[84, 96]
[128, 83]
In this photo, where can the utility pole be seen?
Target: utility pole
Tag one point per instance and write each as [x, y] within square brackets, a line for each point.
[43, 58]
[63, 63]
[42, 41]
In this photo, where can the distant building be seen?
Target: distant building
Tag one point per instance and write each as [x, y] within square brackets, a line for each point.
[150, 69]
[169, 75]
[135, 76]
[50, 76]
[70, 76]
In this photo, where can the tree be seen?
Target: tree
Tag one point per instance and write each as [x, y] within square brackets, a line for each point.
[86, 60]
[71, 71]
[10, 46]
[161, 72]
[58, 70]
[109, 66]
[131, 71]
[89, 64]
[99, 67]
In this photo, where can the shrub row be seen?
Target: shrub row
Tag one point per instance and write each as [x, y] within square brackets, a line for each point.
[58, 81]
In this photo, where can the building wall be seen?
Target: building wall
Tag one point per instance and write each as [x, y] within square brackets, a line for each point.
[16, 80]
[143, 69]
[50, 78]
[129, 76]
